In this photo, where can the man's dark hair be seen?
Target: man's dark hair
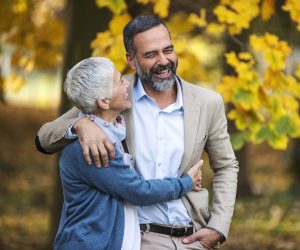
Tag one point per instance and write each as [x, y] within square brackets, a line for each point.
[138, 25]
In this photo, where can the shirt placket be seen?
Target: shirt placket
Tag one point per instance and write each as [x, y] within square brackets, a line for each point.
[160, 153]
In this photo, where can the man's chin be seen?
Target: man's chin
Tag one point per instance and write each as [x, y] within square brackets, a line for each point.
[164, 85]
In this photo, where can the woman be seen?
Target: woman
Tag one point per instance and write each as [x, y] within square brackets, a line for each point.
[98, 211]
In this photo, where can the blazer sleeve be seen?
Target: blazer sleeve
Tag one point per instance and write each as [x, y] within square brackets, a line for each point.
[225, 166]
[122, 182]
[51, 136]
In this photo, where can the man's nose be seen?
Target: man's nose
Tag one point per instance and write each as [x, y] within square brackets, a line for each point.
[162, 59]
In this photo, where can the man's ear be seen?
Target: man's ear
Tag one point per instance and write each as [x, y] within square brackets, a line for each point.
[103, 103]
[130, 61]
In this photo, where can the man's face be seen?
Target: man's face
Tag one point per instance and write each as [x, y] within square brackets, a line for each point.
[155, 60]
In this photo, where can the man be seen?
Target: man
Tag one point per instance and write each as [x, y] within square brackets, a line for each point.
[170, 125]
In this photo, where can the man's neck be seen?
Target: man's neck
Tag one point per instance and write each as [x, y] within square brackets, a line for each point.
[162, 98]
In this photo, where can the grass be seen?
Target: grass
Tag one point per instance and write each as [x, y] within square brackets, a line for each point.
[270, 220]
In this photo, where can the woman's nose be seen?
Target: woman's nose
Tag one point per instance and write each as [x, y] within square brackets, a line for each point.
[126, 83]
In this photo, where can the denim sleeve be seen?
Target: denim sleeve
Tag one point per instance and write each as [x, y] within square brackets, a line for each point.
[122, 182]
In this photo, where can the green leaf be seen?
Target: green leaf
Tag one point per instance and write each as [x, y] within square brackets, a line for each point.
[244, 96]
[284, 125]
[265, 134]
[238, 139]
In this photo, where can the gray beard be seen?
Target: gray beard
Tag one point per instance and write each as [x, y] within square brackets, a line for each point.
[163, 85]
[160, 85]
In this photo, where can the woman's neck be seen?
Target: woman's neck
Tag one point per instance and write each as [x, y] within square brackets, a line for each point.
[107, 115]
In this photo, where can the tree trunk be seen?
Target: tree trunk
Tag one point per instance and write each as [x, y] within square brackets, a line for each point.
[83, 20]
[295, 166]
[244, 187]
[2, 98]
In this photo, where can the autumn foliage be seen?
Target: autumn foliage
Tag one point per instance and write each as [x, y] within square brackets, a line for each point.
[34, 33]
[265, 102]
[264, 97]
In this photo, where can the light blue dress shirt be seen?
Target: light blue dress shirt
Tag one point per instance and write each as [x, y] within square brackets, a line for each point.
[159, 148]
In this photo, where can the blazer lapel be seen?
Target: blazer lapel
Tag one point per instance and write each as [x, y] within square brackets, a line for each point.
[128, 116]
[191, 121]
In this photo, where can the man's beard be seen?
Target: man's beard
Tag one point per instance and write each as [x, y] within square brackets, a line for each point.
[154, 82]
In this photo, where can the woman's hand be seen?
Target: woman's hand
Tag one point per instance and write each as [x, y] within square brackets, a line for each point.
[93, 139]
[196, 175]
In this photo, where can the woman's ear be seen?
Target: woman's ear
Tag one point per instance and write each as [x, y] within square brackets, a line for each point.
[130, 61]
[103, 103]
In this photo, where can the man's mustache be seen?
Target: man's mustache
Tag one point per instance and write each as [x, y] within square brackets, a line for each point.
[161, 68]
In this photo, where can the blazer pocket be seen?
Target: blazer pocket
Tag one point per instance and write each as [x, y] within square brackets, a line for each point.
[199, 203]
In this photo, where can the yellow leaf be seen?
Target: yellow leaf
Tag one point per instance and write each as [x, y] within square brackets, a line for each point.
[215, 28]
[274, 50]
[225, 15]
[199, 21]
[14, 82]
[236, 15]
[279, 143]
[179, 24]
[270, 39]
[117, 24]
[26, 63]
[161, 7]
[232, 59]
[20, 6]
[267, 9]
[298, 71]
[102, 41]
[180, 44]
[116, 6]
[225, 88]
[246, 57]
[293, 6]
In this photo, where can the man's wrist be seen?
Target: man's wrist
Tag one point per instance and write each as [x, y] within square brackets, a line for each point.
[221, 236]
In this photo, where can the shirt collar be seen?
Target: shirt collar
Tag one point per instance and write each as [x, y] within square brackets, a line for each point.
[139, 92]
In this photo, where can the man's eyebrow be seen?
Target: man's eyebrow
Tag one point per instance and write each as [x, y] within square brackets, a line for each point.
[169, 47]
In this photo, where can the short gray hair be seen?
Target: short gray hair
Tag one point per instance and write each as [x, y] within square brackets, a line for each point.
[89, 80]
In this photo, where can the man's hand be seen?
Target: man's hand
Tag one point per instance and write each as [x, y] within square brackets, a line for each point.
[92, 138]
[207, 237]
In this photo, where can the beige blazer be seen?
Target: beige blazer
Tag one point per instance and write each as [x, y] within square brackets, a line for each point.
[205, 128]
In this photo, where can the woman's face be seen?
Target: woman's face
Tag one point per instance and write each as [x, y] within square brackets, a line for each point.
[120, 99]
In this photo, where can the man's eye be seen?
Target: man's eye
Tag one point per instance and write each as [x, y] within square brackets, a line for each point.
[152, 55]
[168, 51]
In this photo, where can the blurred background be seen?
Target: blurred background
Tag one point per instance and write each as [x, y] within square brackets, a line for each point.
[246, 50]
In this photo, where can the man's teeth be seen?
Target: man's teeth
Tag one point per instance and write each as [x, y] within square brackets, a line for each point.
[163, 72]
